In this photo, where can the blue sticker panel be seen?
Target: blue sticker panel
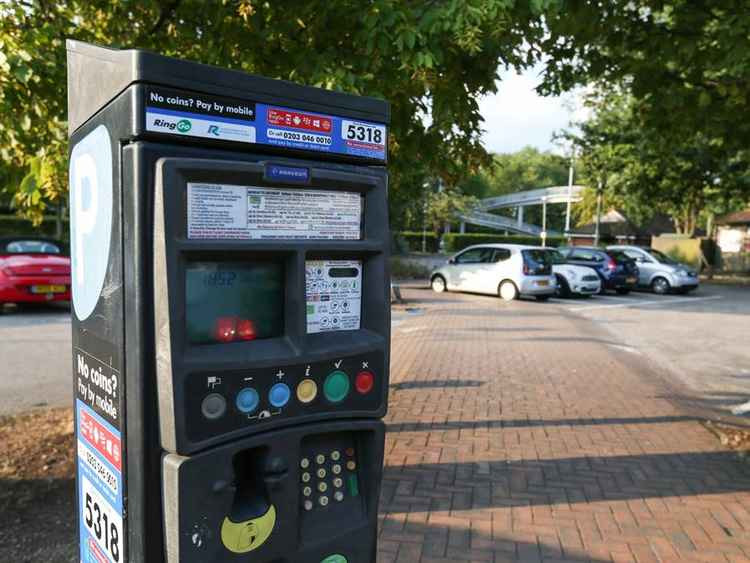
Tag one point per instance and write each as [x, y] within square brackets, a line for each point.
[296, 129]
[99, 484]
[276, 126]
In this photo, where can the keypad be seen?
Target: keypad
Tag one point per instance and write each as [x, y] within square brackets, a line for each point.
[331, 480]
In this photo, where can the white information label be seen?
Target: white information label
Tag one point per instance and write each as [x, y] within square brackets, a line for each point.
[102, 521]
[106, 476]
[334, 295]
[222, 211]
[367, 133]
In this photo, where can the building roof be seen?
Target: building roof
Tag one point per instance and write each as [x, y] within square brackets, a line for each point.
[737, 218]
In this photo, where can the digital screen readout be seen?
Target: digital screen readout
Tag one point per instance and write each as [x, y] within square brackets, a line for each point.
[233, 301]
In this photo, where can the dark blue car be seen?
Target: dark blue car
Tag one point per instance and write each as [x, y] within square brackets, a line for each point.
[617, 271]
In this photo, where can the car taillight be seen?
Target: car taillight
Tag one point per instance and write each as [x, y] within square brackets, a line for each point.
[525, 269]
[611, 264]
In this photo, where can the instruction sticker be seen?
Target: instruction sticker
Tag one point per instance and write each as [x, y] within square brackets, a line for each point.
[199, 115]
[221, 211]
[99, 488]
[334, 295]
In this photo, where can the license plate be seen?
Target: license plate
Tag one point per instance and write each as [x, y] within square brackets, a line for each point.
[631, 280]
[542, 283]
[47, 289]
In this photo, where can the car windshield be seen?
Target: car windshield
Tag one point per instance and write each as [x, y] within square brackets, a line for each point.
[661, 257]
[31, 247]
[556, 257]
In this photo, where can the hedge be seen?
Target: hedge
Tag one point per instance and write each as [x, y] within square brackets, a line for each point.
[12, 225]
[458, 241]
[411, 241]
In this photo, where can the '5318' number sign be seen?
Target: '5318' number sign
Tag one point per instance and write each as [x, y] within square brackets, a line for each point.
[101, 521]
[363, 132]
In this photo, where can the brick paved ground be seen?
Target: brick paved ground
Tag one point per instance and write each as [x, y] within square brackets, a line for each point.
[514, 433]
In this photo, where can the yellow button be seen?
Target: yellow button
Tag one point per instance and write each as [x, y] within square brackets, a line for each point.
[307, 390]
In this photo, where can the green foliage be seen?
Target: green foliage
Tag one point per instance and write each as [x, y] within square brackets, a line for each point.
[11, 225]
[431, 60]
[446, 206]
[411, 241]
[686, 66]
[645, 171]
[405, 269]
[457, 241]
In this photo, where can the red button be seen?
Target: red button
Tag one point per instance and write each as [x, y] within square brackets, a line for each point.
[364, 382]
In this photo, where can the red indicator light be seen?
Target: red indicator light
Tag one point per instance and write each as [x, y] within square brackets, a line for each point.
[246, 330]
[225, 329]
[364, 382]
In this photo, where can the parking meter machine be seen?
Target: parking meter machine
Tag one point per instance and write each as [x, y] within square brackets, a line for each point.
[230, 240]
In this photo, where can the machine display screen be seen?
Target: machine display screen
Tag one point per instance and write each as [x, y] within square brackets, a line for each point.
[233, 301]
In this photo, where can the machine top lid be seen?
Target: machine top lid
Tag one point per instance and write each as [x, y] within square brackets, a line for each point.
[98, 74]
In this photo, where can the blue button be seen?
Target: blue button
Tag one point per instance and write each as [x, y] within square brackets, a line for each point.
[279, 395]
[247, 400]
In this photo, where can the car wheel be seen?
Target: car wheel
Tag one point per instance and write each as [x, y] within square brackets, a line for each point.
[563, 289]
[660, 286]
[542, 297]
[438, 284]
[507, 291]
[622, 290]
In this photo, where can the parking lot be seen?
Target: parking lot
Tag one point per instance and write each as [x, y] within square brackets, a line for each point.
[532, 431]
[524, 430]
[698, 341]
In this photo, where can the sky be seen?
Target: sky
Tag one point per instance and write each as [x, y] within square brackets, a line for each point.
[517, 116]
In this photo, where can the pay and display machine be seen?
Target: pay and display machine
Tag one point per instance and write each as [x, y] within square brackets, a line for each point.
[229, 239]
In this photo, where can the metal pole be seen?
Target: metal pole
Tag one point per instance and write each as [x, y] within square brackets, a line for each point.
[570, 196]
[599, 191]
[544, 221]
[424, 225]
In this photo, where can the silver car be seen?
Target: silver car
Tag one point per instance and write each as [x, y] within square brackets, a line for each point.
[660, 272]
[507, 270]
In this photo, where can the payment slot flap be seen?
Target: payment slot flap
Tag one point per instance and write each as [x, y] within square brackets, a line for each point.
[253, 496]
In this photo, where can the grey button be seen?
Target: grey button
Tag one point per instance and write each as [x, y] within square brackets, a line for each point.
[214, 406]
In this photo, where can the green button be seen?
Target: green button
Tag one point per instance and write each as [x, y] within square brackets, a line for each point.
[335, 558]
[336, 386]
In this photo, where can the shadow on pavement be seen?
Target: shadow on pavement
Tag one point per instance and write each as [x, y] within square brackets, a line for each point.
[436, 383]
[565, 481]
[410, 541]
[530, 423]
[37, 520]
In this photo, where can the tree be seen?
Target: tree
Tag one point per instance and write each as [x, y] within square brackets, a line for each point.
[645, 172]
[446, 206]
[431, 60]
[685, 62]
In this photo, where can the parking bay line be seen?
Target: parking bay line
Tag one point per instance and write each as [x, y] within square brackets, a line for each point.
[645, 302]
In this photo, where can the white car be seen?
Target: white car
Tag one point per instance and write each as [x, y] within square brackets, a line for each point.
[573, 279]
[507, 270]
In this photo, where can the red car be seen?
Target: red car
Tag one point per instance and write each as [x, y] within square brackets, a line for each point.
[33, 270]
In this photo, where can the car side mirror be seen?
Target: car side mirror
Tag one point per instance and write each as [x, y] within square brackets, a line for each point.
[451, 260]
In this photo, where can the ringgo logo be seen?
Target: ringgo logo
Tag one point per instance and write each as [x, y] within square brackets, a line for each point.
[184, 125]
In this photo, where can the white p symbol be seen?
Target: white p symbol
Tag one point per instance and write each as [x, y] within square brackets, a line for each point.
[91, 198]
[85, 177]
